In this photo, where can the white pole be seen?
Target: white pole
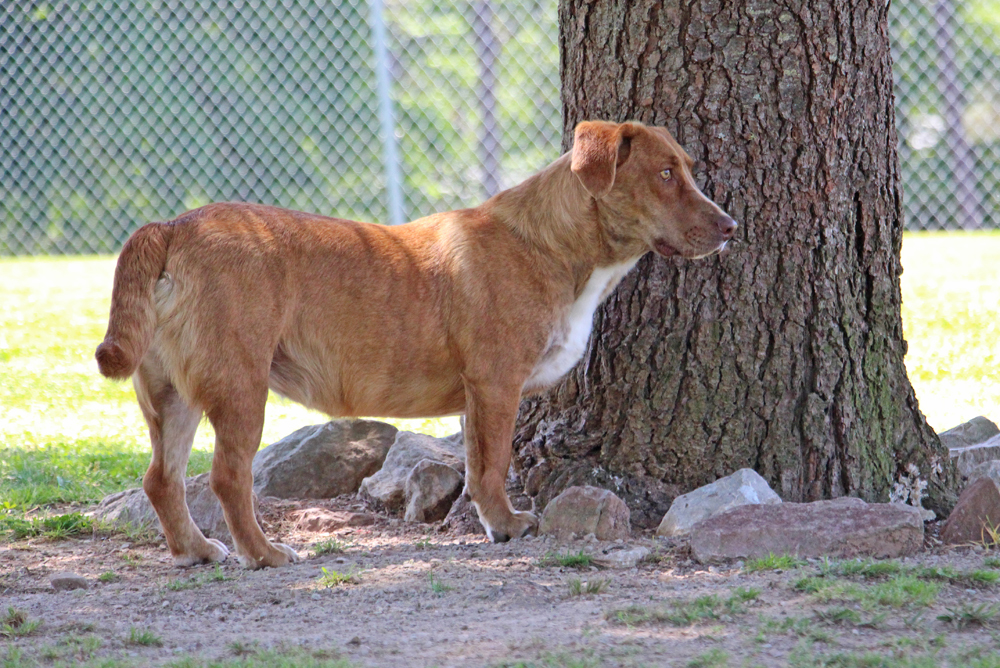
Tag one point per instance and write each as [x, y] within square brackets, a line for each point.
[390, 152]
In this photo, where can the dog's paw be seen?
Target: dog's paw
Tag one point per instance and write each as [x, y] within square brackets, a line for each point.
[520, 524]
[212, 551]
[279, 555]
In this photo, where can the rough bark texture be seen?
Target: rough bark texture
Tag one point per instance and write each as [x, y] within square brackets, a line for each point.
[785, 354]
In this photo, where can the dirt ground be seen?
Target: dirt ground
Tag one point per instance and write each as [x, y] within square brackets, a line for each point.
[417, 596]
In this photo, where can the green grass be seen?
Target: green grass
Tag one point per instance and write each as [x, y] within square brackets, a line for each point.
[143, 638]
[687, 612]
[335, 578]
[951, 319]
[329, 546]
[898, 591]
[578, 587]
[54, 527]
[16, 624]
[772, 562]
[566, 560]
[69, 435]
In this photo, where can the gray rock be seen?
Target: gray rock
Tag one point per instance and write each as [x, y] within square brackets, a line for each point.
[387, 487]
[976, 514]
[739, 489]
[973, 432]
[430, 490]
[68, 581]
[990, 469]
[132, 507]
[842, 528]
[463, 519]
[970, 456]
[579, 511]
[621, 556]
[322, 461]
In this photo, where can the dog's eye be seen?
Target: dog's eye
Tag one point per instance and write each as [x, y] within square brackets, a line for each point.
[665, 174]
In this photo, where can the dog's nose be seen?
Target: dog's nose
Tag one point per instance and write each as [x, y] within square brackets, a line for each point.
[727, 226]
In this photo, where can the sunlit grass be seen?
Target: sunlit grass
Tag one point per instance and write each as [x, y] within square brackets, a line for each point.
[951, 319]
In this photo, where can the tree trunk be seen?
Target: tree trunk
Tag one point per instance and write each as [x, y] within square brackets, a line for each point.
[784, 354]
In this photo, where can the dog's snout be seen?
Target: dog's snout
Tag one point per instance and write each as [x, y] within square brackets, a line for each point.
[727, 226]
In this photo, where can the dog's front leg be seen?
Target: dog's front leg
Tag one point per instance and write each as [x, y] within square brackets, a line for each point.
[490, 413]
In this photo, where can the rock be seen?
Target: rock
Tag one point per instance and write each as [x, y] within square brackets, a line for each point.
[322, 520]
[68, 581]
[132, 507]
[582, 510]
[387, 488]
[977, 510]
[843, 528]
[621, 557]
[990, 469]
[463, 518]
[739, 489]
[430, 490]
[970, 456]
[975, 431]
[322, 461]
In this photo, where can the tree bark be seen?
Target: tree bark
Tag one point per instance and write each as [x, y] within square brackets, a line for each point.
[784, 354]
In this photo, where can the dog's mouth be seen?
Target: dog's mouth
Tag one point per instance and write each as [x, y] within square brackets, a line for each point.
[664, 249]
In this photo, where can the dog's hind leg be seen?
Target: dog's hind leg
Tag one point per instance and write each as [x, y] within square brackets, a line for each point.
[490, 413]
[172, 425]
[239, 421]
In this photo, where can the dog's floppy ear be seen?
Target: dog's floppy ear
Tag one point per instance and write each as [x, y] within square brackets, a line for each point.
[599, 148]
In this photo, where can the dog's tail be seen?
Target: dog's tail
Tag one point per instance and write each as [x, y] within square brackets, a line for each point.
[133, 314]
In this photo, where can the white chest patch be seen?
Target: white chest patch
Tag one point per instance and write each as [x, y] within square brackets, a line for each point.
[568, 340]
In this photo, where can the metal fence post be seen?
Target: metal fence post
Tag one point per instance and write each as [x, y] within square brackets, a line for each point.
[390, 150]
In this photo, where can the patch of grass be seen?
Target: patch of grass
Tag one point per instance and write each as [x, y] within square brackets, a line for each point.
[802, 627]
[991, 562]
[15, 624]
[130, 559]
[423, 544]
[143, 638]
[687, 612]
[578, 587]
[968, 614]
[182, 584]
[437, 586]
[772, 562]
[239, 648]
[329, 546]
[577, 560]
[74, 647]
[108, 576]
[335, 578]
[897, 592]
[838, 615]
[55, 527]
[713, 658]
[279, 658]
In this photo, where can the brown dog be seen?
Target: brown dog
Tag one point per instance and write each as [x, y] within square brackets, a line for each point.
[459, 312]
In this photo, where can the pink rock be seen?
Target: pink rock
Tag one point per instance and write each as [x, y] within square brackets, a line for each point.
[845, 527]
[977, 510]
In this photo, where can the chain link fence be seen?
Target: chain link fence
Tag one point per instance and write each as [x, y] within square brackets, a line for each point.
[118, 112]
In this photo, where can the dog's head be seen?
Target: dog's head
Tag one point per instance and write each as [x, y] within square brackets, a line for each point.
[642, 177]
